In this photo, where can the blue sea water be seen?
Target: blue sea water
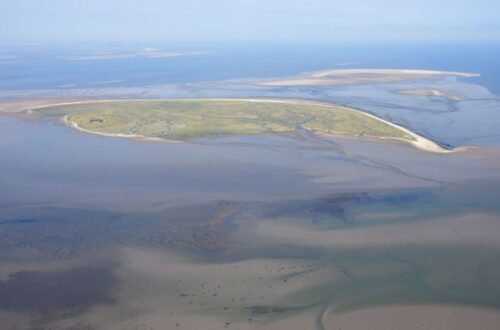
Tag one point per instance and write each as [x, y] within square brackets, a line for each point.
[50, 67]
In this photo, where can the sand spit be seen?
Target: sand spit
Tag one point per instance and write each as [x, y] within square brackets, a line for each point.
[419, 141]
[17, 107]
[359, 76]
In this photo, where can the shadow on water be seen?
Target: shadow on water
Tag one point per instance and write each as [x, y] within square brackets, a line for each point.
[51, 295]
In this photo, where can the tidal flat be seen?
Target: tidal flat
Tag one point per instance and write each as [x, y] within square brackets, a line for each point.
[248, 231]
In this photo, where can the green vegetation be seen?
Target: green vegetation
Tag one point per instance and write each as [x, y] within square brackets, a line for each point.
[185, 119]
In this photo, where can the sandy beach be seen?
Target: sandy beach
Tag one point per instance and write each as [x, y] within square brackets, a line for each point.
[128, 136]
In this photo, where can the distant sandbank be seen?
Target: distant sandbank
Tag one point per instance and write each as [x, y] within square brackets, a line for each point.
[359, 76]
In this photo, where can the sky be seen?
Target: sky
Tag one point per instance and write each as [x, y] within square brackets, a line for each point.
[248, 20]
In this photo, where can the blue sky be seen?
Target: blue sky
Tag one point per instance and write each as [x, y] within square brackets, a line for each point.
[248, 20]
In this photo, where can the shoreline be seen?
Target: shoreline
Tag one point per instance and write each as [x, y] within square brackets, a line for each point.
[419, 142]
[128, 136]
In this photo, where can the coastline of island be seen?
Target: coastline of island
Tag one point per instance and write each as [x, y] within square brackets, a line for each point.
[417, 141]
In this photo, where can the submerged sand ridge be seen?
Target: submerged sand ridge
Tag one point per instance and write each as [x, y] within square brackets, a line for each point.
[425, 91]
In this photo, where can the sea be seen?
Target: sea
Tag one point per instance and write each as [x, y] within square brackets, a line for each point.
[55, 66]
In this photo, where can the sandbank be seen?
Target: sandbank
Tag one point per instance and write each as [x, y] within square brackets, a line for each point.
[359, 76]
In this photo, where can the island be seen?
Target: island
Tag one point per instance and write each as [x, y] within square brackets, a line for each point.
[182, 120]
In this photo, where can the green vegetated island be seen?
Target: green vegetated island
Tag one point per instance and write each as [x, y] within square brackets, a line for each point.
[180, 120]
